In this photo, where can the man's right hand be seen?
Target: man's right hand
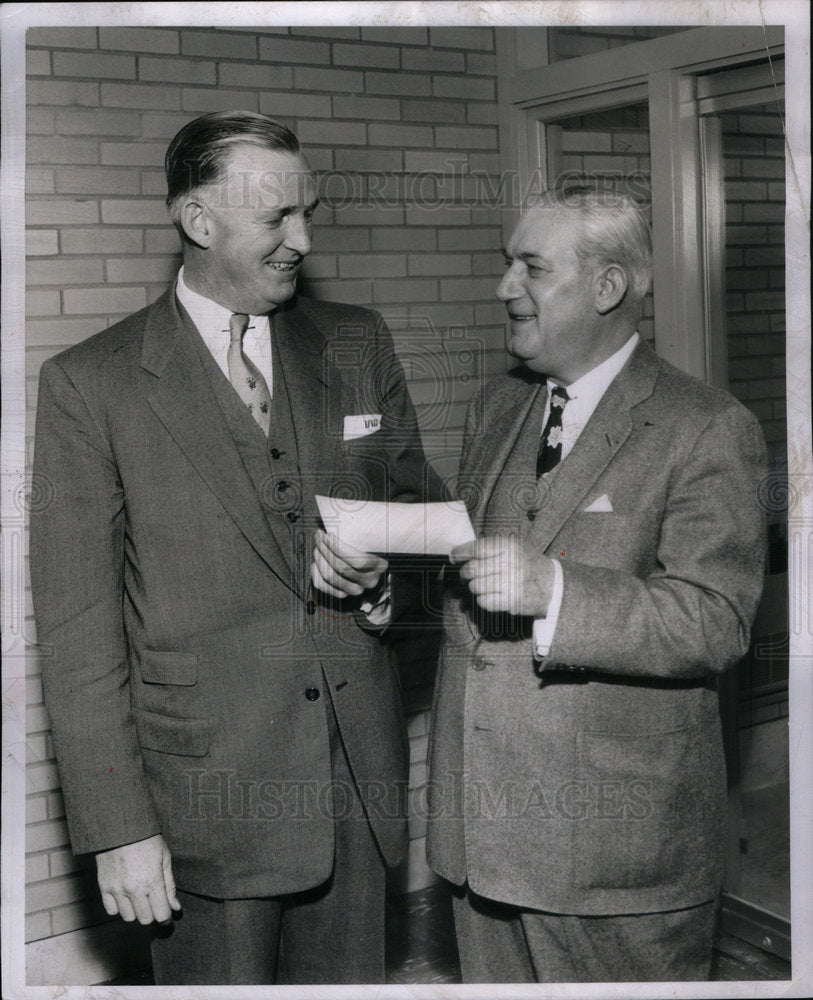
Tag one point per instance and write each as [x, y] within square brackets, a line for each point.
[136, 881]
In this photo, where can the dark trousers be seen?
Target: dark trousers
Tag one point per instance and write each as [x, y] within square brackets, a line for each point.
[499, 943]
[333, 933]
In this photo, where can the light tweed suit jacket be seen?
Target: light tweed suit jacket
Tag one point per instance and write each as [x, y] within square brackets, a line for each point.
[594, 783]
[187, 664]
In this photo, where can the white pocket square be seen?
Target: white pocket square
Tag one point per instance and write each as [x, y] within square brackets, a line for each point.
[358, 425]
[600, 506]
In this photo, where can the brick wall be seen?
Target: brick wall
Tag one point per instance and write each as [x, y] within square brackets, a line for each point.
[754, 157]
[400, 123]
[754, 170]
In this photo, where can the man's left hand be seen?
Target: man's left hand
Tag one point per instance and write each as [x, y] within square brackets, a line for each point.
[506, 576]
[342, 570]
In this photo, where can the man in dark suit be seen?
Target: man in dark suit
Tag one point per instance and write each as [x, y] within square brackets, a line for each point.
[577, 776]
[225, 714]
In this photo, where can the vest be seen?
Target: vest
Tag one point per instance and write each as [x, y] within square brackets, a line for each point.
[272, 463]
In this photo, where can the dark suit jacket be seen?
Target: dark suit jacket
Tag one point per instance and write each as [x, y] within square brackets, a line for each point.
[187, 664]
[602, 790]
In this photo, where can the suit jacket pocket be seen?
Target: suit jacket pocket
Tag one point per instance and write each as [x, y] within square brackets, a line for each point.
[159, 667]
[167, 734]
[647, 808]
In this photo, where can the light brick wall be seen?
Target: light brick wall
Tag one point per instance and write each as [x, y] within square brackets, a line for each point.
[393, 119]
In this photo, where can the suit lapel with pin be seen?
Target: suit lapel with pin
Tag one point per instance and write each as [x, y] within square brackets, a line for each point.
[605, 432]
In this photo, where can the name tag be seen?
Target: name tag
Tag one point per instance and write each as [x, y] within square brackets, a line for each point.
[358, 425]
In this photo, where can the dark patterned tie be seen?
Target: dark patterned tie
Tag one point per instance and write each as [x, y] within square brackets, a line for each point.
[245, 376]
[550, 444]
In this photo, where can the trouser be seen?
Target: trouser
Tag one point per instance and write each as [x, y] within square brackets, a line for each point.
[499, 943]
[333, 933]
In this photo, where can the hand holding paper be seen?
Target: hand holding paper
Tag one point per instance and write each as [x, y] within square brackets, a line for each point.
[411, 528]
[505, 575]
[342, 570]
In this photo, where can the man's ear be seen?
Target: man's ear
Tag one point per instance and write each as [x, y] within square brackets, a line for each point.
[610, 287]
[196, 222]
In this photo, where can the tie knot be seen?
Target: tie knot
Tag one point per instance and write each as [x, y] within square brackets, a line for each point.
[237, 326]
[559, 396]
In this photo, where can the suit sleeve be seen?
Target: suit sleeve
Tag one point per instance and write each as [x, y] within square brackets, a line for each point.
[691, 616]
[77, 576]
[410, 478]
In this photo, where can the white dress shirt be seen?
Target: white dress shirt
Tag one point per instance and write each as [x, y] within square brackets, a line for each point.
[212, 321]
[584, 396]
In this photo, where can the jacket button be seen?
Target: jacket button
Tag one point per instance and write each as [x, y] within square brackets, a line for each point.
[312, 694]
[292, 516]
[480, 663]
[310, 607]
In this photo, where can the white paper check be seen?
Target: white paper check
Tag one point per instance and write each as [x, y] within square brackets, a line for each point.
[413, 528]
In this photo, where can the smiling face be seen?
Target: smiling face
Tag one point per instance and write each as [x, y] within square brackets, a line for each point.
[553, 326]
[251, 230]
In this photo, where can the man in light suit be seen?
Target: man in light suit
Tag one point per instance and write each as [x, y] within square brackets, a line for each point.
[577, 778]
[225, 714]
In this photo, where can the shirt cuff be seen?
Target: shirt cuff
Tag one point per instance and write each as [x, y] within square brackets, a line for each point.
[379, 609]
[545, 627]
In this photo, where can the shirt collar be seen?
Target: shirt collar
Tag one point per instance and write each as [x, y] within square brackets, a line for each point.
[592, 385]
[209, 316]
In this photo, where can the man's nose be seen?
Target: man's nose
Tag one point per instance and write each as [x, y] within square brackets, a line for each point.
[509, 288]
[298, 234]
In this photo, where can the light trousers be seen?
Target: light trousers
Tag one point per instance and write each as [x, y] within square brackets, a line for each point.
[499, 943]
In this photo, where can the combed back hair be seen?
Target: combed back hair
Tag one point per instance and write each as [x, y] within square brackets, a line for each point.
[198, 153]
[614, 231]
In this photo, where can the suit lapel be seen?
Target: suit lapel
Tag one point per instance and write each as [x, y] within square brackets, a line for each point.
[183, 401]
[489, 452]
[313, 389]
[606, 431]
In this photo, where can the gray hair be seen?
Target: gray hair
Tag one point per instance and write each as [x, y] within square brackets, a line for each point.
[614, 231]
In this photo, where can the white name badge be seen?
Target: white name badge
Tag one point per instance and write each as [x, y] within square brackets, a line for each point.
[358, 425]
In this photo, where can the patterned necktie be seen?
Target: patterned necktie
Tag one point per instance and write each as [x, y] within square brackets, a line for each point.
[245, 377]
[550, 444]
